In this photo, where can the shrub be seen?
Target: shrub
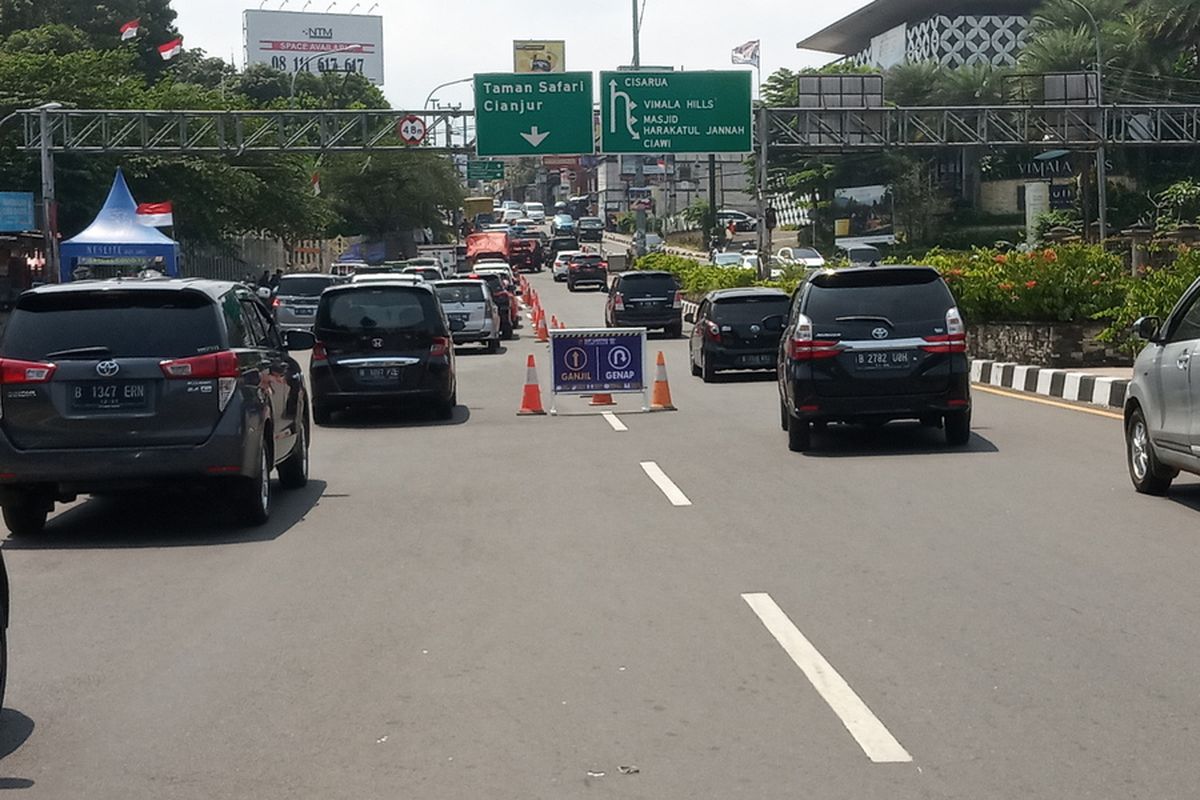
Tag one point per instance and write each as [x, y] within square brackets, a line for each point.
[1154, 294]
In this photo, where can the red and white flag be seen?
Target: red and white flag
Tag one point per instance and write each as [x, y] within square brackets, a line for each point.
[130, 29]
[171, 49]
[316, 184]
[156, 215]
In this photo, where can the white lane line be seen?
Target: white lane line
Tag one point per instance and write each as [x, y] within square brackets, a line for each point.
[668, 487]
[875, 740]
[612, 420]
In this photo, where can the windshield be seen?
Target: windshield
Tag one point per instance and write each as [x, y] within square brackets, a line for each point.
[381, 308]
[726, 259]
[302, 286]
[124, 323]
[805, 252]
[894, 295]
[738, 310]
[461, 293]
[636, 285]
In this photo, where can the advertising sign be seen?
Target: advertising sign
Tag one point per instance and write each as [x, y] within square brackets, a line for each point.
[675, 112]
[16, 212]
[530, 115]
[539, 55]
[599, 360]
[651, 164]
[485, 170]
[297, 41]
[863, 215]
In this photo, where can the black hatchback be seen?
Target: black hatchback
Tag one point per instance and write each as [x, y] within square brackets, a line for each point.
[110, 386]
[645, 299]
[382, 344]
[737, 329]
[873, 345]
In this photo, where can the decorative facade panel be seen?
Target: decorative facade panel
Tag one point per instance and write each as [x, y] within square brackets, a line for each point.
[968, 40]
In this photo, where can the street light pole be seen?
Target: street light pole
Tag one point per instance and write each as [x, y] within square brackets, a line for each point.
[49, 237]
[351, 48]
[639, 169]
[433, 91]
[1101, 156]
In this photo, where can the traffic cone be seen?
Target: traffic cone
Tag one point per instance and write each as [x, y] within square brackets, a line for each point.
[531, 399]
[602, 400]
[543, 335]
[553, 322]
[660, 397]
[562, 326]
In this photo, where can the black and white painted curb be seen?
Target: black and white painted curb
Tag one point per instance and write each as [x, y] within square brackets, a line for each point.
[1079, 387]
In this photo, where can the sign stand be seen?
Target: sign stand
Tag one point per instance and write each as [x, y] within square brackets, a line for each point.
[588, 361]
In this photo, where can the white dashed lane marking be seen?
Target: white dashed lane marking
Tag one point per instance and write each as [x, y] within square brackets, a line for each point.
[668, 487]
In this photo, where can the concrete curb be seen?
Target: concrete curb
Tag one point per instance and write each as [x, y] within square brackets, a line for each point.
[1078, 387]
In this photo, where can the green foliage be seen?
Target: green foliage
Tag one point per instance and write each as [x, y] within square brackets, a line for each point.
[697, 213]
[698, 279]
[1153, 294]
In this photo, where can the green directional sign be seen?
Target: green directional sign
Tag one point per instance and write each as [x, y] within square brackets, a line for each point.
[485, 170]
[675, 112]
[534, 115]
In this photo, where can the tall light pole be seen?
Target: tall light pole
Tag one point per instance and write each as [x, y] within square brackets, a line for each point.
[350, 48]
[639, 171]
[1101, 157]
[49, 237]
[434, 90]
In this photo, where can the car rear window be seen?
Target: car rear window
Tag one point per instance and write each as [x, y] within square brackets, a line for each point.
[805, 252]
[897, 295]
[308, 286]
[648, 285]
[380, 308]
[130, 324]
[587, 258]
[461, 293]
[749, 309]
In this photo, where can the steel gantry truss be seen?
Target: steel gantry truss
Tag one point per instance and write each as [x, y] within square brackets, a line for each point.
[230, 132]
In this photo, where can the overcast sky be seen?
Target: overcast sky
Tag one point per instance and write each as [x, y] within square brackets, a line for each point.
[427, 43]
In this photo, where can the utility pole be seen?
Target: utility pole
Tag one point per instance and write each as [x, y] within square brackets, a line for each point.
[764, 233]
[50, 239]
[1101, 151]
[639, 173]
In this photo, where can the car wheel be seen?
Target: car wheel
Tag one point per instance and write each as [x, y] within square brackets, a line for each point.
[783, 414]
[293, 473]
[506, 331]
[707, 372]
[3, 663]
[493, 346]
[322, 414]
[799, 435]
[1148, 475]
[445, 408]
[26, 518]
[253, 498]
[958, 428]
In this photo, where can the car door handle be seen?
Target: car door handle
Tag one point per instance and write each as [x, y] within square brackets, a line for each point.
[1185, 360]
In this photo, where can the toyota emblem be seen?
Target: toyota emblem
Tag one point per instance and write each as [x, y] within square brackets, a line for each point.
[377, 343]
[880, 333]
[107, 369]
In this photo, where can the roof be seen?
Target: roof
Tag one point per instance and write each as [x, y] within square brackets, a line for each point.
[751, 291]
[214, 289]
[117, 224]
[853, 33]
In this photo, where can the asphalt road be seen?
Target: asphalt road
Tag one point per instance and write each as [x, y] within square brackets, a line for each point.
[504, 607]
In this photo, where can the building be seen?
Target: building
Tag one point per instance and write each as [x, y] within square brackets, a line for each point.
[675, 182]
[890, 32]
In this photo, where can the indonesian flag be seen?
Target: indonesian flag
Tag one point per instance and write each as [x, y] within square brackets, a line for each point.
[316, 184]
[130, 29]
[746, 53]
[171, 49]
[156, 215]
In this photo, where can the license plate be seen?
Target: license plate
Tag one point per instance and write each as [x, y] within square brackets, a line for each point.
[304, 312]
[885, 360]
[760, 360]
[110, 396]
[459, 317]
[378, 374]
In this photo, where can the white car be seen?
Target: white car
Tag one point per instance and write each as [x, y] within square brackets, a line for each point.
[559, 270]
[805, 256]
[728, 260]
[536, 212]
[511, 215]
[387, 277]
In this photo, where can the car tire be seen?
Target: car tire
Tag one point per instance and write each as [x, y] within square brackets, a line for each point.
[445, 408]
[293, 473]
[27, 518]
[799, 435]
[493, 346]
[1149, 476]
[958, 428]
[506, 331]
[708, 373]
[322, 414]
[783, 414]
[3, 664]
[252, 500]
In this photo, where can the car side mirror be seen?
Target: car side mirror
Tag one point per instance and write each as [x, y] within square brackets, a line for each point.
[457, 325]
[1147, 328]
[295, 341]
[773, 323]
[690, 317]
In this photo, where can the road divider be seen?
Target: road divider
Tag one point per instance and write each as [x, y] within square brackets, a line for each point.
[874, 739]
[1078, 387]
[667, 486]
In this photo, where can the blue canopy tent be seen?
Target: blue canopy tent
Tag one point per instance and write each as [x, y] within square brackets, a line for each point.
[116, 243]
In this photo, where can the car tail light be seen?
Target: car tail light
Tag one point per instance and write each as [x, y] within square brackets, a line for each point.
[803, 347]
[618, 301]
[678, 303]
[955, 338]
[604, 265]
[440, 347]
[319, 353]
[276, 303]
[222, 366]
[712, 331]
[14, 372]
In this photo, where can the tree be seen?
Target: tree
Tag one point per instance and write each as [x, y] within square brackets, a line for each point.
[392, 192]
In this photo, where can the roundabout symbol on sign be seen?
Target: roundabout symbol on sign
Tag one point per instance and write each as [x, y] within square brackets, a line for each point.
[620, 358]
[575, 358]
[411, 129]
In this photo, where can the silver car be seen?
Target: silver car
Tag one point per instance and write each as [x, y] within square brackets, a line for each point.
[1162, 432]
[295, 300]
[469, 302]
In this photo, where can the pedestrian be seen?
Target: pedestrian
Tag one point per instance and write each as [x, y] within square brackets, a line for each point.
[275, 279]
[264, 280]
[731, 230]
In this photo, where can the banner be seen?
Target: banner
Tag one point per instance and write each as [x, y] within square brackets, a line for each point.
[530, 55]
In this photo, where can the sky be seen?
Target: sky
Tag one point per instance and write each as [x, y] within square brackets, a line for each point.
[428, 43]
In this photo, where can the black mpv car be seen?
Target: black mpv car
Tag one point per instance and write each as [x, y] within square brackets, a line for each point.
[645, 299]
[873, 345]
[737, 329]
[111, 386]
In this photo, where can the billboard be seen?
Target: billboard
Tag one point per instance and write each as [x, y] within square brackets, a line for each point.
[16, 212]
[538, 55]
[651, 164]
[863, 215]
[297, 41]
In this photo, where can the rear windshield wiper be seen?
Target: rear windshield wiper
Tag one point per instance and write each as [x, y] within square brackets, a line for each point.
[864, 318]
[80, 352]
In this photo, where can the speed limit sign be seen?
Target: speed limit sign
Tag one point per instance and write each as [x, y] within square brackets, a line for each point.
[411, 129]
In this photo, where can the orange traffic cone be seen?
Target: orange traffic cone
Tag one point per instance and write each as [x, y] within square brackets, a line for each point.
[602, 400]
[553, 322]
[562, 326]
[531, 399]
[660, 397]
[543, 335]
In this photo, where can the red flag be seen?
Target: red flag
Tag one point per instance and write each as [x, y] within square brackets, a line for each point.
[130, 29]
[171, 49]
[156, 215]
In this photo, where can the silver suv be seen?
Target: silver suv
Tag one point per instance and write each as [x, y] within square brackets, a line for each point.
[1162, 434]
[469, 303]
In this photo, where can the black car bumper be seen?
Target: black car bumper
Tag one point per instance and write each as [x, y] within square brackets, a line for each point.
[591, 236]
[435, 382]
[720, 357]
[664, 320]
[807, 405]
[580, 277]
